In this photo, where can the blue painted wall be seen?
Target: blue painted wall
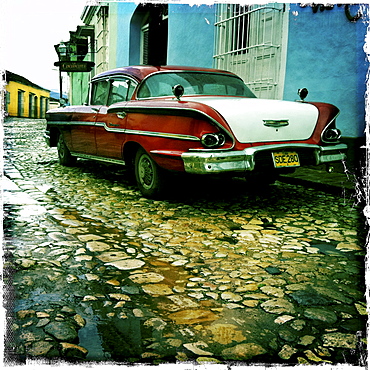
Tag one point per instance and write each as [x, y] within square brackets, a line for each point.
[125, 12]
[325, 54]
[191, 35]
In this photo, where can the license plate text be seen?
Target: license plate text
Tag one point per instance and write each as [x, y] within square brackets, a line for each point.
[285, 159]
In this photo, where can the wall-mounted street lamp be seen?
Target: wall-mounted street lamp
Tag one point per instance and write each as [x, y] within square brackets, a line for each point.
[65, 51]
[62, 50]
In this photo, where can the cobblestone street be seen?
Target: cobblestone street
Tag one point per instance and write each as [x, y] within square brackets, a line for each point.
[218, 272]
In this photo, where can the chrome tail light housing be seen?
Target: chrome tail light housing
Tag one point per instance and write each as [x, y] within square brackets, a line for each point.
[213, 140]
[331, 134]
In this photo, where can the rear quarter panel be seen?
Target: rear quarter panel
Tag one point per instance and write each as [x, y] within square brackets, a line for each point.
[58, 122]
[167, 128]
[165, 137]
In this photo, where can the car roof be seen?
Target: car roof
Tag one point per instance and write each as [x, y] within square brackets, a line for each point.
[141, 71]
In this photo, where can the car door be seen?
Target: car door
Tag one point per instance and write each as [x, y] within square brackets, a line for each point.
[110, 127]
[85, 116]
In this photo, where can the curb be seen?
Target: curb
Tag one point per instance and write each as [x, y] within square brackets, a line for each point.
[334, 183]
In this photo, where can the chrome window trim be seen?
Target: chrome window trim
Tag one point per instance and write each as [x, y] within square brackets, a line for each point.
[113, 77]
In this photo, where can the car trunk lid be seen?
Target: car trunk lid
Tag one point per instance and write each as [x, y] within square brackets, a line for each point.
[263, 120]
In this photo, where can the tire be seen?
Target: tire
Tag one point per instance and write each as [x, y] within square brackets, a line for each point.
[65, 157]
[149, 176]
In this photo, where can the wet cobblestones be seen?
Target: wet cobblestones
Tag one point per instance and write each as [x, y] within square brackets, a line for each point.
[215, 273]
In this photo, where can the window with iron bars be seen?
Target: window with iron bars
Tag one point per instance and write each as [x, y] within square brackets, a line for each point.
[249, 42]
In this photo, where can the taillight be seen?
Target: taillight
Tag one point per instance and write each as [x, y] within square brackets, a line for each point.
[330, 133]
[213, 140]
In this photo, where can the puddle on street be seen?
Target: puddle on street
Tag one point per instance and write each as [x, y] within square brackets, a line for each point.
[330, 249]
[121, 337]
[149, 326]
[90, 338]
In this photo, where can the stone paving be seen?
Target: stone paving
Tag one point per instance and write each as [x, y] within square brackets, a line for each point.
[217, 273]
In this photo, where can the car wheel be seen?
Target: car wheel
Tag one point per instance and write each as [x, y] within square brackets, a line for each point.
[149, 176]
[65, 157]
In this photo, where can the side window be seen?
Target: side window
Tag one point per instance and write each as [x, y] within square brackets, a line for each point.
[100, 91]
[121, 90]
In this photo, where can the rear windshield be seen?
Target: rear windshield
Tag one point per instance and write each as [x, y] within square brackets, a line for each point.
[194, 83]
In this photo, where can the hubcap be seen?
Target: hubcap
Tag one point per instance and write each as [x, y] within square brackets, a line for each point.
[146, 173]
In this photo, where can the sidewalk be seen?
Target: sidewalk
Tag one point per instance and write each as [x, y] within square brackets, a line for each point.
[334, 182]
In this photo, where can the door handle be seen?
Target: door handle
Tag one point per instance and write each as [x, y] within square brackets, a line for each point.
[121, 115]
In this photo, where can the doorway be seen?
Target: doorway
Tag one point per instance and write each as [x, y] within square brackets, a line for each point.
[150, 26]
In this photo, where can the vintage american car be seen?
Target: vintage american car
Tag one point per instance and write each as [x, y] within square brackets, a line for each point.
[158, 120]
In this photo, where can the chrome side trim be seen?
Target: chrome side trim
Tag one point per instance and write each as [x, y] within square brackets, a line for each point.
[165, 135]
[162, 134]
[110, 129]
[97, 158]
[159, 110]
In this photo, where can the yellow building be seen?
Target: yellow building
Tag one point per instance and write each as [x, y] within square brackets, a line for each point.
[24, 98]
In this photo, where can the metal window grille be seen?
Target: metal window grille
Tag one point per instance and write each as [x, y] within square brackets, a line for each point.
[144, 44]
[248, 42]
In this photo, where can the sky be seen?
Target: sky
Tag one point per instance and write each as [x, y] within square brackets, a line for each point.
[29, 29]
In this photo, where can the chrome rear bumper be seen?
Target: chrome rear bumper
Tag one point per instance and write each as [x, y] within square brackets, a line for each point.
[203, 162]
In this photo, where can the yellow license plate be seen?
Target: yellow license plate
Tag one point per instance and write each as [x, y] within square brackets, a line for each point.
[285, 159]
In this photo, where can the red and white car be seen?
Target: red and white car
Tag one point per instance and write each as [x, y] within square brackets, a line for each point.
[194, 120]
